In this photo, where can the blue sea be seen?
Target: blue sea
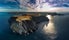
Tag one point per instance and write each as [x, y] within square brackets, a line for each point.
[61, 25]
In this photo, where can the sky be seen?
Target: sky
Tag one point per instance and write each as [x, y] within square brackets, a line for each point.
[37, 5]
[56, 3]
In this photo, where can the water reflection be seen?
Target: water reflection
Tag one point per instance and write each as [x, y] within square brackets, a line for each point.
[49, 29]
[57, 29]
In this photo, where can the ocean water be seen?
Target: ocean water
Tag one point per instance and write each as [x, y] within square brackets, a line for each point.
[61, 25]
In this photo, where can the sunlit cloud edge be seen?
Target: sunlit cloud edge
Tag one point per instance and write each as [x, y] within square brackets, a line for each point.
[51, 9]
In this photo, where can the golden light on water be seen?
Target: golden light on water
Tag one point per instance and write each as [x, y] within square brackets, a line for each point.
[49, 17]
[50, 30]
